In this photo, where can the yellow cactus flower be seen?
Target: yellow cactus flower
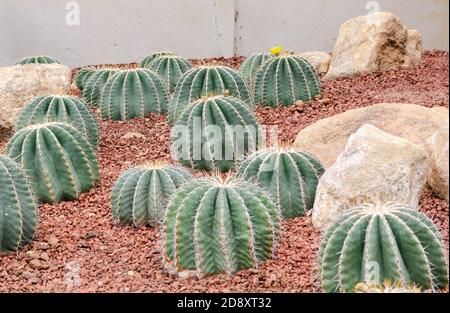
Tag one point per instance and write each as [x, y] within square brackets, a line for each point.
[276, 50]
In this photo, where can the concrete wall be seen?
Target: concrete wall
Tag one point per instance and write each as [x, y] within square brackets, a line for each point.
[117, 31]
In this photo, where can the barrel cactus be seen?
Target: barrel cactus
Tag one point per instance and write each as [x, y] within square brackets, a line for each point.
[93, 86]
[18, 215]
[249, 68]
[83, 75]
[66, 109]
[58, 159]
[285, 79]
[38, 59]
[213, 225]
[133, 93]
[170, 68]
[140, 195]
[222, 118]
[374, 243]
[151, 57]
[289, 176]
[206, 80]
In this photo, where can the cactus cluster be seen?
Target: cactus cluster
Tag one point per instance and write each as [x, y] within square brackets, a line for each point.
[83, 75]
[206, 80]
[151, 57]
[66, 109]
[170, 68]
[93, 86]
[140, 195]
[214, 225]
[221, 130]
[285, 79]
[133, 93]
[289, 176]
[38, 59]
[18, 213]
[57, 158]
[249, 68]
[382, 242]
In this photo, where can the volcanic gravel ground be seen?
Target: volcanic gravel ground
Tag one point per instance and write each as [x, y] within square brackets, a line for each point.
[79, 248]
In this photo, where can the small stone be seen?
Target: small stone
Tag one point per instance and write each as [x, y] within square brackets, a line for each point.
[53, 242]
[131, 135]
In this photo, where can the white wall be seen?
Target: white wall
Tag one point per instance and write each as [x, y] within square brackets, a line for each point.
[119, 31]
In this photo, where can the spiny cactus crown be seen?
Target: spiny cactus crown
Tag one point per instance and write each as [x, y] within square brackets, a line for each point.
[214, 225]
[222, 129]
[38, 59]
[140, 195]
[18, 215]
[133, 93]
[249, 68]
[204, 80]
[382, 242]
[93, 86]
[151, 57]
[83, 75]
[284, 80]
[289, 176]
[57, 108]
[170, 68]
[57, 158]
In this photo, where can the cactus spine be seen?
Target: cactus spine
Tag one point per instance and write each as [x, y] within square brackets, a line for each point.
[289, 176]
[93, 86]
[284, 80]
[376, 243]
[151, 57]
[170, 68]
[140, 195]
[206, 80]
[66, 109]
[249, 68]
[18, 215]
[213, 225]
[219, 117]
[83, 75]
[58, 159]
[38, 59]
[133, 93]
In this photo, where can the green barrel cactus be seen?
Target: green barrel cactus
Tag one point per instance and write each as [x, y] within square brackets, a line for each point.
[83, 75]
[57, 158]
[18, 214]
[213, 225]
[204, 81]
[372, 244]
[93, 86]
[289, 176]
[215, 132]
[66, 109]
[170, 68]
[133, 93]
[284, 80]
[141, 194]
[38, 59]
[151, 57]
[249, 68]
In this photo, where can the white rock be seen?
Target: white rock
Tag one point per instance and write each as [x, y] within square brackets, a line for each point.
[320, 60]
[438, 153]
[21, 83]
[374, 42]
[374, 166]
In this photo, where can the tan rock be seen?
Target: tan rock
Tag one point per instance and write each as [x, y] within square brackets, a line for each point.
[130, 135]
[438, 148]
[374, 166]
[20, 83]
[319, 60]
[374, 42]
[327, 137]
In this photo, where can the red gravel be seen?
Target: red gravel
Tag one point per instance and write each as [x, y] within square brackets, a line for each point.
[117, 258]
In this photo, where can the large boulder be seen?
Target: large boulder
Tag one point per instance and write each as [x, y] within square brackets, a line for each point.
[21, 83]
[374, 166]
[327, 137]
[374, 42]
[438, 146]
[320, 60]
